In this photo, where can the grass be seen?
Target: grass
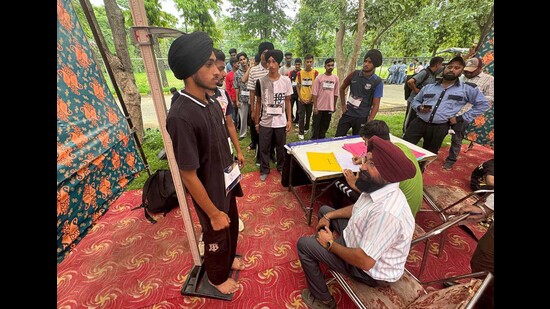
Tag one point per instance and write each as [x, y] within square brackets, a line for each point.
[153, 144]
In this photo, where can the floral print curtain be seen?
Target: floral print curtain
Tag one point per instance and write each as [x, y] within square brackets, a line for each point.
[97, 156]
[481, 130]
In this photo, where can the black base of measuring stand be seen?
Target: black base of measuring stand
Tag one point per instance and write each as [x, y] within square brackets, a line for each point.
[197, 284]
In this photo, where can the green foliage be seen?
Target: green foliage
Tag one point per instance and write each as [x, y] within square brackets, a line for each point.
[398, 28]
[152, 145]
[314, 28]
[259, 20]
[196, 15]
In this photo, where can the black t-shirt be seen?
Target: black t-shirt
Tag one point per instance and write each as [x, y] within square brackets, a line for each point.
[200, 141]
[174, 97]
[292, 76]
[477, 180]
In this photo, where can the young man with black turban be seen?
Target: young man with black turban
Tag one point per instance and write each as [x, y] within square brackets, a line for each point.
[256, 72]
[363, 101]
[196, 125]
[272, 114]
[375, 233]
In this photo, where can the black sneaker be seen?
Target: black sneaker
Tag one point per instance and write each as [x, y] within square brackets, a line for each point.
[315, 303]
[447, 166]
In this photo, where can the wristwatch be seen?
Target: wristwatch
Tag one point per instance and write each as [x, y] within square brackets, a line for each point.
[329, 245]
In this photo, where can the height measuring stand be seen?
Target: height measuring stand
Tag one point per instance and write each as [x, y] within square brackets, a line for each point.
[197, 282]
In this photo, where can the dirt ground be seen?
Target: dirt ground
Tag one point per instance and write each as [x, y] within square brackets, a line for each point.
[392, 100]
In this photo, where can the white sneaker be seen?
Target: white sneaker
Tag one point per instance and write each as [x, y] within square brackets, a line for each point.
[241, 225]
[300, 136]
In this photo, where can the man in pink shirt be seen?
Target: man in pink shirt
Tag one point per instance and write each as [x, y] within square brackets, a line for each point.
[325, 94]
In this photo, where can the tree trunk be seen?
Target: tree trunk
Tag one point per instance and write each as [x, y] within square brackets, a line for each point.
[122, 66]
[347, 64]
[485, 28]
[358, 37]
[340, 58]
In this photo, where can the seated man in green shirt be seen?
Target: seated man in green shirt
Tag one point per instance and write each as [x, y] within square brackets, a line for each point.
[412, 188]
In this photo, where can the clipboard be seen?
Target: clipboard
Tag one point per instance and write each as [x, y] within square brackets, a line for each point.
[232, 176]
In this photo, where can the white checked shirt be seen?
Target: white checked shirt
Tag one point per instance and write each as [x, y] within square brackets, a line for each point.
[382, 225]
[486, 84]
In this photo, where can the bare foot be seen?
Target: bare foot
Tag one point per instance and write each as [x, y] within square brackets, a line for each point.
[238, 264]
[228, 287]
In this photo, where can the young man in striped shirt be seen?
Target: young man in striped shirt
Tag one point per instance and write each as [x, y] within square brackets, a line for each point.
[256, 72]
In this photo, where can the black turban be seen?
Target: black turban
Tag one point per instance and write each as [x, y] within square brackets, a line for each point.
[276, 54]
[390, 161]
[265, 45]
[375, 57]
[189, 53]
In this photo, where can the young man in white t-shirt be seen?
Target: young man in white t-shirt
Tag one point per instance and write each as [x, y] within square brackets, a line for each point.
[272, 117]
[325, 94]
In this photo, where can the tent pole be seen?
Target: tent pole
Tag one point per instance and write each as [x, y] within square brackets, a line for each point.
[90, 16]
[143, 38]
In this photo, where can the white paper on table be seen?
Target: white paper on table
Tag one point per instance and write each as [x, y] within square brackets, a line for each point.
[345, 161]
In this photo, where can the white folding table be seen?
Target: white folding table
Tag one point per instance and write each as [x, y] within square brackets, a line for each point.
[298, 153]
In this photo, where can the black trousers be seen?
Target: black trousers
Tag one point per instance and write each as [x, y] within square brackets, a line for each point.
[219, 246]
[272, 138]
[456, 141]
[294, 101]
[321, 122]
[252, 125]
[347, 122]
[433, 134]
[304, 114]
[409, 116]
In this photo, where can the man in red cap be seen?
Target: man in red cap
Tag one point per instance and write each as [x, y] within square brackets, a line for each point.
[375, 232]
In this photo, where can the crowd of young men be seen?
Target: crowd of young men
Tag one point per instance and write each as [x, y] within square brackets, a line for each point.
[374, 233]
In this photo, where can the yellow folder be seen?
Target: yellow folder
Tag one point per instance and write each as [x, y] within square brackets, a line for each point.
[323, 161]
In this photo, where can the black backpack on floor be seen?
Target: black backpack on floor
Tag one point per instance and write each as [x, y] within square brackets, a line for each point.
[159, 194]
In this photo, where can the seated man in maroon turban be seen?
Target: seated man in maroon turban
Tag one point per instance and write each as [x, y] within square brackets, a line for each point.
[375, 233]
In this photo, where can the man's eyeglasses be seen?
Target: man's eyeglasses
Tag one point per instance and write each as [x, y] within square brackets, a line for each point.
[365, 160]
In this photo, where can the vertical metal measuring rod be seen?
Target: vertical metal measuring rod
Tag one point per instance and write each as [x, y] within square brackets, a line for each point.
[142, 36]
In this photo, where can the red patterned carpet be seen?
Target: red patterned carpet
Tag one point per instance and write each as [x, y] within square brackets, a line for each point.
[127, 262]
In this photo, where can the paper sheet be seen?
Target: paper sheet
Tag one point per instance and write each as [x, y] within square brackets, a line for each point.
[417, 154]
[356, 149]
[323, 161]
[344, 159]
